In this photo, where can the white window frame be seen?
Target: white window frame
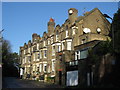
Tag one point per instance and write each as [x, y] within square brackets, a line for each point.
[45, 52]
[29, 50]
[77, 53]
[40, 67]
[63, 46]
[37, 46]
[59, 48]
[28, 59]
[33, 67]
[51, 39]
[34, 57]
[23, 60]
[24, 51]
[69, 45]
[74, 30]
[66, 32]
[53, 65]
[44, 43]
[48, 42]
[56, 37]
[53, 50]
[40, 54]
[44, 67]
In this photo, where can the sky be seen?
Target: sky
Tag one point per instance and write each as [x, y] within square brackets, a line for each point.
[21, 19]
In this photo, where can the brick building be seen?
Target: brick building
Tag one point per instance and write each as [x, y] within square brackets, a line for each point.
[47, 55]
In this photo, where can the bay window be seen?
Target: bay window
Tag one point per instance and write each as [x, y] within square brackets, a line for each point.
[69, 45]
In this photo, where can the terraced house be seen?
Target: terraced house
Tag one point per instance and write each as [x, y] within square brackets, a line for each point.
[48, 55]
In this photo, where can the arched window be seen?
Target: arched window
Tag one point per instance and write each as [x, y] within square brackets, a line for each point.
[86, 30]
[98, 30]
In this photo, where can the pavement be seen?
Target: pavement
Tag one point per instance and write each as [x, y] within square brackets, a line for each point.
[13, 82]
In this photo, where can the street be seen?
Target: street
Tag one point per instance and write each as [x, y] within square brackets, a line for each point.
[13, 82]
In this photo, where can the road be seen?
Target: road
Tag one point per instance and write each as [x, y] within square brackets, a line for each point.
[13, 82]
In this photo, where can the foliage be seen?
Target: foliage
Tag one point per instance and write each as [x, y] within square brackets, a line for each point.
[50, 79]
[8, 59]
[116, 28]
[102, 48]
[93, 57]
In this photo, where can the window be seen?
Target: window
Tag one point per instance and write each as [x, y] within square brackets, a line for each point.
[83, 54]
[43, 43]
[44, 67]
[83, 41]
[73, 32]
[57, 36]
[34, 68]
[24, 51]
[45, 53]
[98, 30]
[53, 65]
[66, 33]
[40, 54]
[68, 45]
[23, 60]
[77, 55]
[29, 59]
[63, 45]
[37, 46]
[34, 48]
[25, 70]
[51, 39]
[48, 42]
[59, 48]
[28, 50]
[37, 67]
[86, 30]
[49, 69]
[34, 57]
[53, 50]
[40, 68]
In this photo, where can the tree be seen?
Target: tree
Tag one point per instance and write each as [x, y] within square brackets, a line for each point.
[8, 60]
[116, 31]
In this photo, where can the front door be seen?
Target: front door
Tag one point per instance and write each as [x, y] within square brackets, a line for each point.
[60, 77]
